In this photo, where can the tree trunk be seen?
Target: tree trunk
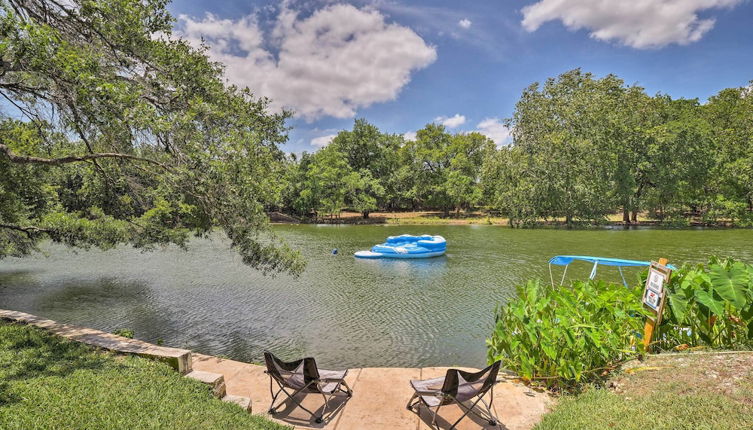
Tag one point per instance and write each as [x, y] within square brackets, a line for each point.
[365, 214]
[625, 215]
[569, 221]
[635, 216]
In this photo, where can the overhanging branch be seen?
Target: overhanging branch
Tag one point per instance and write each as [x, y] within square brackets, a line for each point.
[29, 231]
[15, 158]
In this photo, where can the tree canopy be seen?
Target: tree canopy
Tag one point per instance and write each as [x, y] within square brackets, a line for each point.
[112, 131]
[583, 148]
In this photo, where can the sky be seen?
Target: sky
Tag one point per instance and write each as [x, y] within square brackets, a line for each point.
[401, 65]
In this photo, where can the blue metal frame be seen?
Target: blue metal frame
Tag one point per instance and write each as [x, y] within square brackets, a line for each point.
[565, 260]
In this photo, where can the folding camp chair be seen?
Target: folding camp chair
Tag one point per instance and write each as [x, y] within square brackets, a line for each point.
[458, 387]
[303, 376]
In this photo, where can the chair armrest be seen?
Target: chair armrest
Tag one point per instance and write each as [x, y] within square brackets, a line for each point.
[437, 393]
[330, 380]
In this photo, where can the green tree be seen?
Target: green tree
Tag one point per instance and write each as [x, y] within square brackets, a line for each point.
[445, 169]
[462, 185]
[730, 114]
[114, 132]
[375, 156]
[563, 130]
[363, 192]
[679, 158]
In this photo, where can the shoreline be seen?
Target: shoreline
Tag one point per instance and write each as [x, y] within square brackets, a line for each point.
[479, 218]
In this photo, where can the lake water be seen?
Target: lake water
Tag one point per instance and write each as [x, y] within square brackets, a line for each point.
[343, 311]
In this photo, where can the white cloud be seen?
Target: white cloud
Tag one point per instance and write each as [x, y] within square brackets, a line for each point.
[637, 23]
[451, 121]
[322, 141]
[409, 136]
[494, 130]
[331, 63]
[465, 23]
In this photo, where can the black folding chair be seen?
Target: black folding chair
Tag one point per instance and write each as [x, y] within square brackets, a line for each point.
[303, 376]
[457, 386]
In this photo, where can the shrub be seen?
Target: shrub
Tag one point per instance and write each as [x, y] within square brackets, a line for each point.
[564, 336]
[709, 305]
[125, 332]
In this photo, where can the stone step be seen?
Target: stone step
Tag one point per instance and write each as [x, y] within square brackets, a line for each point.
[215, 380]
[244, 402]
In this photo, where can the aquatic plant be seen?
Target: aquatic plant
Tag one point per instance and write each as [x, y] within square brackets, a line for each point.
[566, 335]
[709, 305]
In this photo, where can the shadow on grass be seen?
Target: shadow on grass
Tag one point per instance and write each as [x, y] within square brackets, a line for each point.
[28, 352]
[7, 397]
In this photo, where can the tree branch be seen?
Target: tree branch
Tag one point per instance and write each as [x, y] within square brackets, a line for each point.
[73, 158]
[29, 231]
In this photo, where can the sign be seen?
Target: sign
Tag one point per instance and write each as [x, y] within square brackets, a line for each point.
[653, 294]
[654, 297]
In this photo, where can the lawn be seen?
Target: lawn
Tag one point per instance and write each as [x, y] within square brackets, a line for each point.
[699, 391]
[47, 382]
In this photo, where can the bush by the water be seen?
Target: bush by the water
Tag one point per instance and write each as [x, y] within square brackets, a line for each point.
[563, 336]
[709, 305]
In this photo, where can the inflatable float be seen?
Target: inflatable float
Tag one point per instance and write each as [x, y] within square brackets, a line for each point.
[407, 246]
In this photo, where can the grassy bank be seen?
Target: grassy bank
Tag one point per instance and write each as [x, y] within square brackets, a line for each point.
[47, 382]
[689, 391]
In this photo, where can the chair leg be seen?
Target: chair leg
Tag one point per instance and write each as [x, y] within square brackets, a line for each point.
[490, 418]
[434, 420]
[410, 404]
[348, 391]
[273, 408]
[274, 396]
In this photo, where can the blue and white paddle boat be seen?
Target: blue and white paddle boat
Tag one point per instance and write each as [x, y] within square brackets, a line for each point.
[565, 260]
[407, 246]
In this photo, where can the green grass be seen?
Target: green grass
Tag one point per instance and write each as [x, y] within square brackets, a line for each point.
[602, 409]
[47, 382]
[687, 392]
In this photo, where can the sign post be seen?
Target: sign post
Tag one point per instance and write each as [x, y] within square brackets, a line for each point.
[654, 297]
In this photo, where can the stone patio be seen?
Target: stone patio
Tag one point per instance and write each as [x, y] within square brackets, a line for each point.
[379, 399]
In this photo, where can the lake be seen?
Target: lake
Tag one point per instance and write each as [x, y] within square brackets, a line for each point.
[345, 312]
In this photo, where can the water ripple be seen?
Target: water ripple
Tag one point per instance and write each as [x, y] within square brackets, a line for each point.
[345, 312]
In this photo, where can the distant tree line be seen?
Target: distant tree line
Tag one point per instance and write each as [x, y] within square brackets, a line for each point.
[365, 170]
[582, 149]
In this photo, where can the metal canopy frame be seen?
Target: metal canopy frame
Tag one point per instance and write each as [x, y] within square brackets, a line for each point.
[566, 260]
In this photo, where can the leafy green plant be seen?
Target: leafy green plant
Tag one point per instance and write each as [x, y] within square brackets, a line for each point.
[563, 336]
[709, 305]
[125, 332]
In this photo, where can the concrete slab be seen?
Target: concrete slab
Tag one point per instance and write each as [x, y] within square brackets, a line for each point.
[520, 407]
[379, 400]
[517, 406]
[449, 414]
[244, 379]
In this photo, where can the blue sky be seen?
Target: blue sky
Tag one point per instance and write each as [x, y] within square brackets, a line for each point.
[401, 65]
